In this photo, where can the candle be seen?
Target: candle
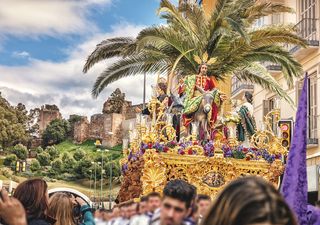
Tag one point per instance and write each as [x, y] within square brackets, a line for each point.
[125, 143]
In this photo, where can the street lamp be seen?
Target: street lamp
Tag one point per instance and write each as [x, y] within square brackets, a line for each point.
[102, 172]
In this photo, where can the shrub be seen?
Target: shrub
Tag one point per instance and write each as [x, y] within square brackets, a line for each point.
[10, 159]
[56, 165]
[53, 152]
[20, 151]
[79, 154]
[35, 166]
[39, 150]
[44, 159]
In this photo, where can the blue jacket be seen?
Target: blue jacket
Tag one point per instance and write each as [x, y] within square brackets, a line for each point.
[87, 215]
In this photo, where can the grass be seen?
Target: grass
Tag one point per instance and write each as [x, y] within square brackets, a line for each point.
[87, 146]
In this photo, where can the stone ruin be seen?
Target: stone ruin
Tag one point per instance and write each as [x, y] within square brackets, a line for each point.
[46, 115]
[107, 126]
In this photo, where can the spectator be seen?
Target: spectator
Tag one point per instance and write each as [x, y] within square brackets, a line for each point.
[33, 194]
[62, 207]
[143, 205]
[153, 202]
[203, 204]
[176, 204]
[106, 215]
[11, 210]
[250, 200]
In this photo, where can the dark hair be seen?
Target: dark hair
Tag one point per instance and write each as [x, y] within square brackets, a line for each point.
[163, 87]
[180, 190]
[33, 196]
[199, 67]
[248, 96]
[317, 203]
[203, 197]
[143, 198]
[249, 200]
[153, 194]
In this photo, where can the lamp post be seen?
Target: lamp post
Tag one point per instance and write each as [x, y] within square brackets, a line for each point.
[110, 184]
[99, 163]
[95, 181]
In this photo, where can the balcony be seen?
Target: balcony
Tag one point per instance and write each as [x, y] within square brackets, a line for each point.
[307, 28]
[238, 88]
[272, 68]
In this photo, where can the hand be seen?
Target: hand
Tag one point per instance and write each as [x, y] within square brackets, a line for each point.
[80, 201]
[223, 97]
[11, 210]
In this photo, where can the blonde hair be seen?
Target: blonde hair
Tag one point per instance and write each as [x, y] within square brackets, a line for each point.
[61, 208]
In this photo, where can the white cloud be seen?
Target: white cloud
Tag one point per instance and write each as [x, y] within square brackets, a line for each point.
[46, 17]
[22, 54]
[64, 84]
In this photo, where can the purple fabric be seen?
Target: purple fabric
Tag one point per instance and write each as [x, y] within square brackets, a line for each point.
[294, 185]
[313, 215]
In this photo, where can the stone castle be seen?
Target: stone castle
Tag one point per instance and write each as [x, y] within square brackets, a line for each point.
[108, 126]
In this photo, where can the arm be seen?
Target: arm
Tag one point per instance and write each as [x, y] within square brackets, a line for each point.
[86, 211]
[11, 210]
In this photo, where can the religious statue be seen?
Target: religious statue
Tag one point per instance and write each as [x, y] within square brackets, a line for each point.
[202, 99]
[247, 125]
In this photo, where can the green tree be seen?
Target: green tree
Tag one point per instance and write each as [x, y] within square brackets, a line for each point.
[53, 152]
[13, 124]
[68, 162]
[56, 132]
[20, 151]
[39, 150]
[84, 166]
[44, 159]
[10, 160]
[35, 165]
[79, 154]
[57, 165]
[226, 35]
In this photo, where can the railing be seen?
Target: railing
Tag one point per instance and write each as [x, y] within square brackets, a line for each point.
[307, 28]
[238, 85]
[272, 66]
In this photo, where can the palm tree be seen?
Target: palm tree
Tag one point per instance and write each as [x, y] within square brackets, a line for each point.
[228, 35]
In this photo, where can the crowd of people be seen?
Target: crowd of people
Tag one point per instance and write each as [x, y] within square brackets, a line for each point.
[245, 201]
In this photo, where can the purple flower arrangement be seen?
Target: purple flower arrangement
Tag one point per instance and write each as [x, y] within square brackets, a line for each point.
[239, 152]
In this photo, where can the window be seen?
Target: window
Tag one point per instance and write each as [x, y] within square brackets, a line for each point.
[260, 22]
[307, 27]
[277, 18]
[312, 106]
[307, 9]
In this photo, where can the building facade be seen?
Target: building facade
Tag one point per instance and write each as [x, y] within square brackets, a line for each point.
[306, 21]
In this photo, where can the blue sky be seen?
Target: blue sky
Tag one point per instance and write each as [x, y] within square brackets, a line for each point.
[44, 44]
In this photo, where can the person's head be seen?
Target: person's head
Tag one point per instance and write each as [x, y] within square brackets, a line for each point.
[248, 96]
[106, 215]
[143, 205]
[61, 208]
[132, 209]
[248, 201]
[154, 201]
[203, 69]
[177, 198]
[97, 214]
[33, 194]
[115, 212]
[203, 203]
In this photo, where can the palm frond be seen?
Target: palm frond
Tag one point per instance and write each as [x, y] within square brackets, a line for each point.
[257, 74]
[133, 65]
[109, 48]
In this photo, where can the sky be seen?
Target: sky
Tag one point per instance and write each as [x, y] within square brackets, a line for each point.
[44, 45]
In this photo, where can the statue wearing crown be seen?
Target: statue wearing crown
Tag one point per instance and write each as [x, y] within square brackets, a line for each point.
[202, 99]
